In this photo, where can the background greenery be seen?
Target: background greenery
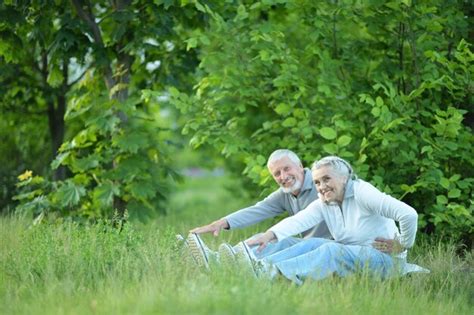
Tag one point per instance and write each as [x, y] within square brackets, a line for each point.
[100, 98]
[95, 95]
[385, 84]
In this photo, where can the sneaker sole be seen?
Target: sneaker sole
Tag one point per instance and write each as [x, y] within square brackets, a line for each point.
[185, 250]
[245, 258]
[227, 255]
[196, 248]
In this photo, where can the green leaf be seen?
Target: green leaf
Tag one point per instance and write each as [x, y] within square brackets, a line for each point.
[441, 199]
[70, 194]
[289, 122]
[454, 193]
[454, 178]
[204, 39]
[444, 182]
[267, 125]
[283, 109]
[105, 192]
[261, 159]
[407, 2]
[132, 141]
[242, 12]
[427, 148]
[407, 188]
[89, 162]
[328, 133]
[344, 140]
[55, 77]
[59, 159]
[200, 7]
[117, 88]
[191, 43]
[174, 91]
[330, 148]
[375, 111]
[379, 101]
[104, 123]
[142, 190]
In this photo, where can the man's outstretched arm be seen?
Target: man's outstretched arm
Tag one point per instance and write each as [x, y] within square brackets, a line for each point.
[214, 227]
[267, 208]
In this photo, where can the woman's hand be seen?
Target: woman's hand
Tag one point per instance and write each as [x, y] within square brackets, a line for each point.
[388, 246]
[262, 240]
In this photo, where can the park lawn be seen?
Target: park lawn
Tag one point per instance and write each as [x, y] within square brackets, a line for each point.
[67, 268]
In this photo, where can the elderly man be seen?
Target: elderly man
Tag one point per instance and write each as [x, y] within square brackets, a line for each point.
[296, 191]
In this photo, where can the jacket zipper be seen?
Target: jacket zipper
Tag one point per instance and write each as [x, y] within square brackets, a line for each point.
[342, 215]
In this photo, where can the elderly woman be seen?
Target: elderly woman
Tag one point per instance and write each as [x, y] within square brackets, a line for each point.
[360, 218]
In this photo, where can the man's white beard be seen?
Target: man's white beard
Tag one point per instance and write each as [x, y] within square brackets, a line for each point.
[295, 187]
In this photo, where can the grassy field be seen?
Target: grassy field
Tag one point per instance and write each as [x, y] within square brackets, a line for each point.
[72, 269]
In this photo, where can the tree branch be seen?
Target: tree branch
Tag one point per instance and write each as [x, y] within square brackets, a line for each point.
[79, 78]
[89, 19]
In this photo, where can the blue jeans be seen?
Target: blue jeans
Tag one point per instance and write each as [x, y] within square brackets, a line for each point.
[318, 258]
[273, 248]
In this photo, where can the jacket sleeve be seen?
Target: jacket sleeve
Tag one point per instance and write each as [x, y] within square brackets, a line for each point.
[380, 203]
[300, 222]
[269, 207]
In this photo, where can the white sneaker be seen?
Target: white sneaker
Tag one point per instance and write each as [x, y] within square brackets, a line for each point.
[180, 238]
[245, 258]
[198, 250]
[266, 270]
[227, 255]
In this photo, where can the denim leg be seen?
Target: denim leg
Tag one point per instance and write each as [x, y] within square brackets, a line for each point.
[272, 248]
[300, 248]
[334, 258]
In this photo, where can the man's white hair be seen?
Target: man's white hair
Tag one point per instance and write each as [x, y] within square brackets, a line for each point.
[281, 153]
[341, 166]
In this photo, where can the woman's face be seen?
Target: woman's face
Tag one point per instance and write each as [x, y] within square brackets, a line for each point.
[330, 184]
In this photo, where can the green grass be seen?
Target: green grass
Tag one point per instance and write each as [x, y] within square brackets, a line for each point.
[72, 269]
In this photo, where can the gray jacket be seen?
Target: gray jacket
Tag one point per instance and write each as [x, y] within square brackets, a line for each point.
[277, 203]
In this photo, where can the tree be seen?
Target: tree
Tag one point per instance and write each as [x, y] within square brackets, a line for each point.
[116, 153]
[36, 56]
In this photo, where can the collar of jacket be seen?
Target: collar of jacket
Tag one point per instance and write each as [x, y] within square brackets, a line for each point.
[349, 190]
[308, 180]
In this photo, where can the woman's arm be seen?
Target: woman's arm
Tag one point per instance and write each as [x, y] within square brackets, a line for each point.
[300, 222]
[380, 203]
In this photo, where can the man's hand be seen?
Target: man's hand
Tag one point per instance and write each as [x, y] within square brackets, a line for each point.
[262, 240]
[214, 228]
[388, 246]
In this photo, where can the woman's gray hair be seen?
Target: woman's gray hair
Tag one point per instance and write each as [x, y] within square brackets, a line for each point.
[341, 166]
[281, 153]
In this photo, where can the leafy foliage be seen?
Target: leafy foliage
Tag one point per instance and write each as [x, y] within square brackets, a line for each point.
[117, 153]
[386, 85]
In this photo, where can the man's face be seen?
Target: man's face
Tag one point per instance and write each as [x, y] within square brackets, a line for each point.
[288, 174]
[330, 184]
